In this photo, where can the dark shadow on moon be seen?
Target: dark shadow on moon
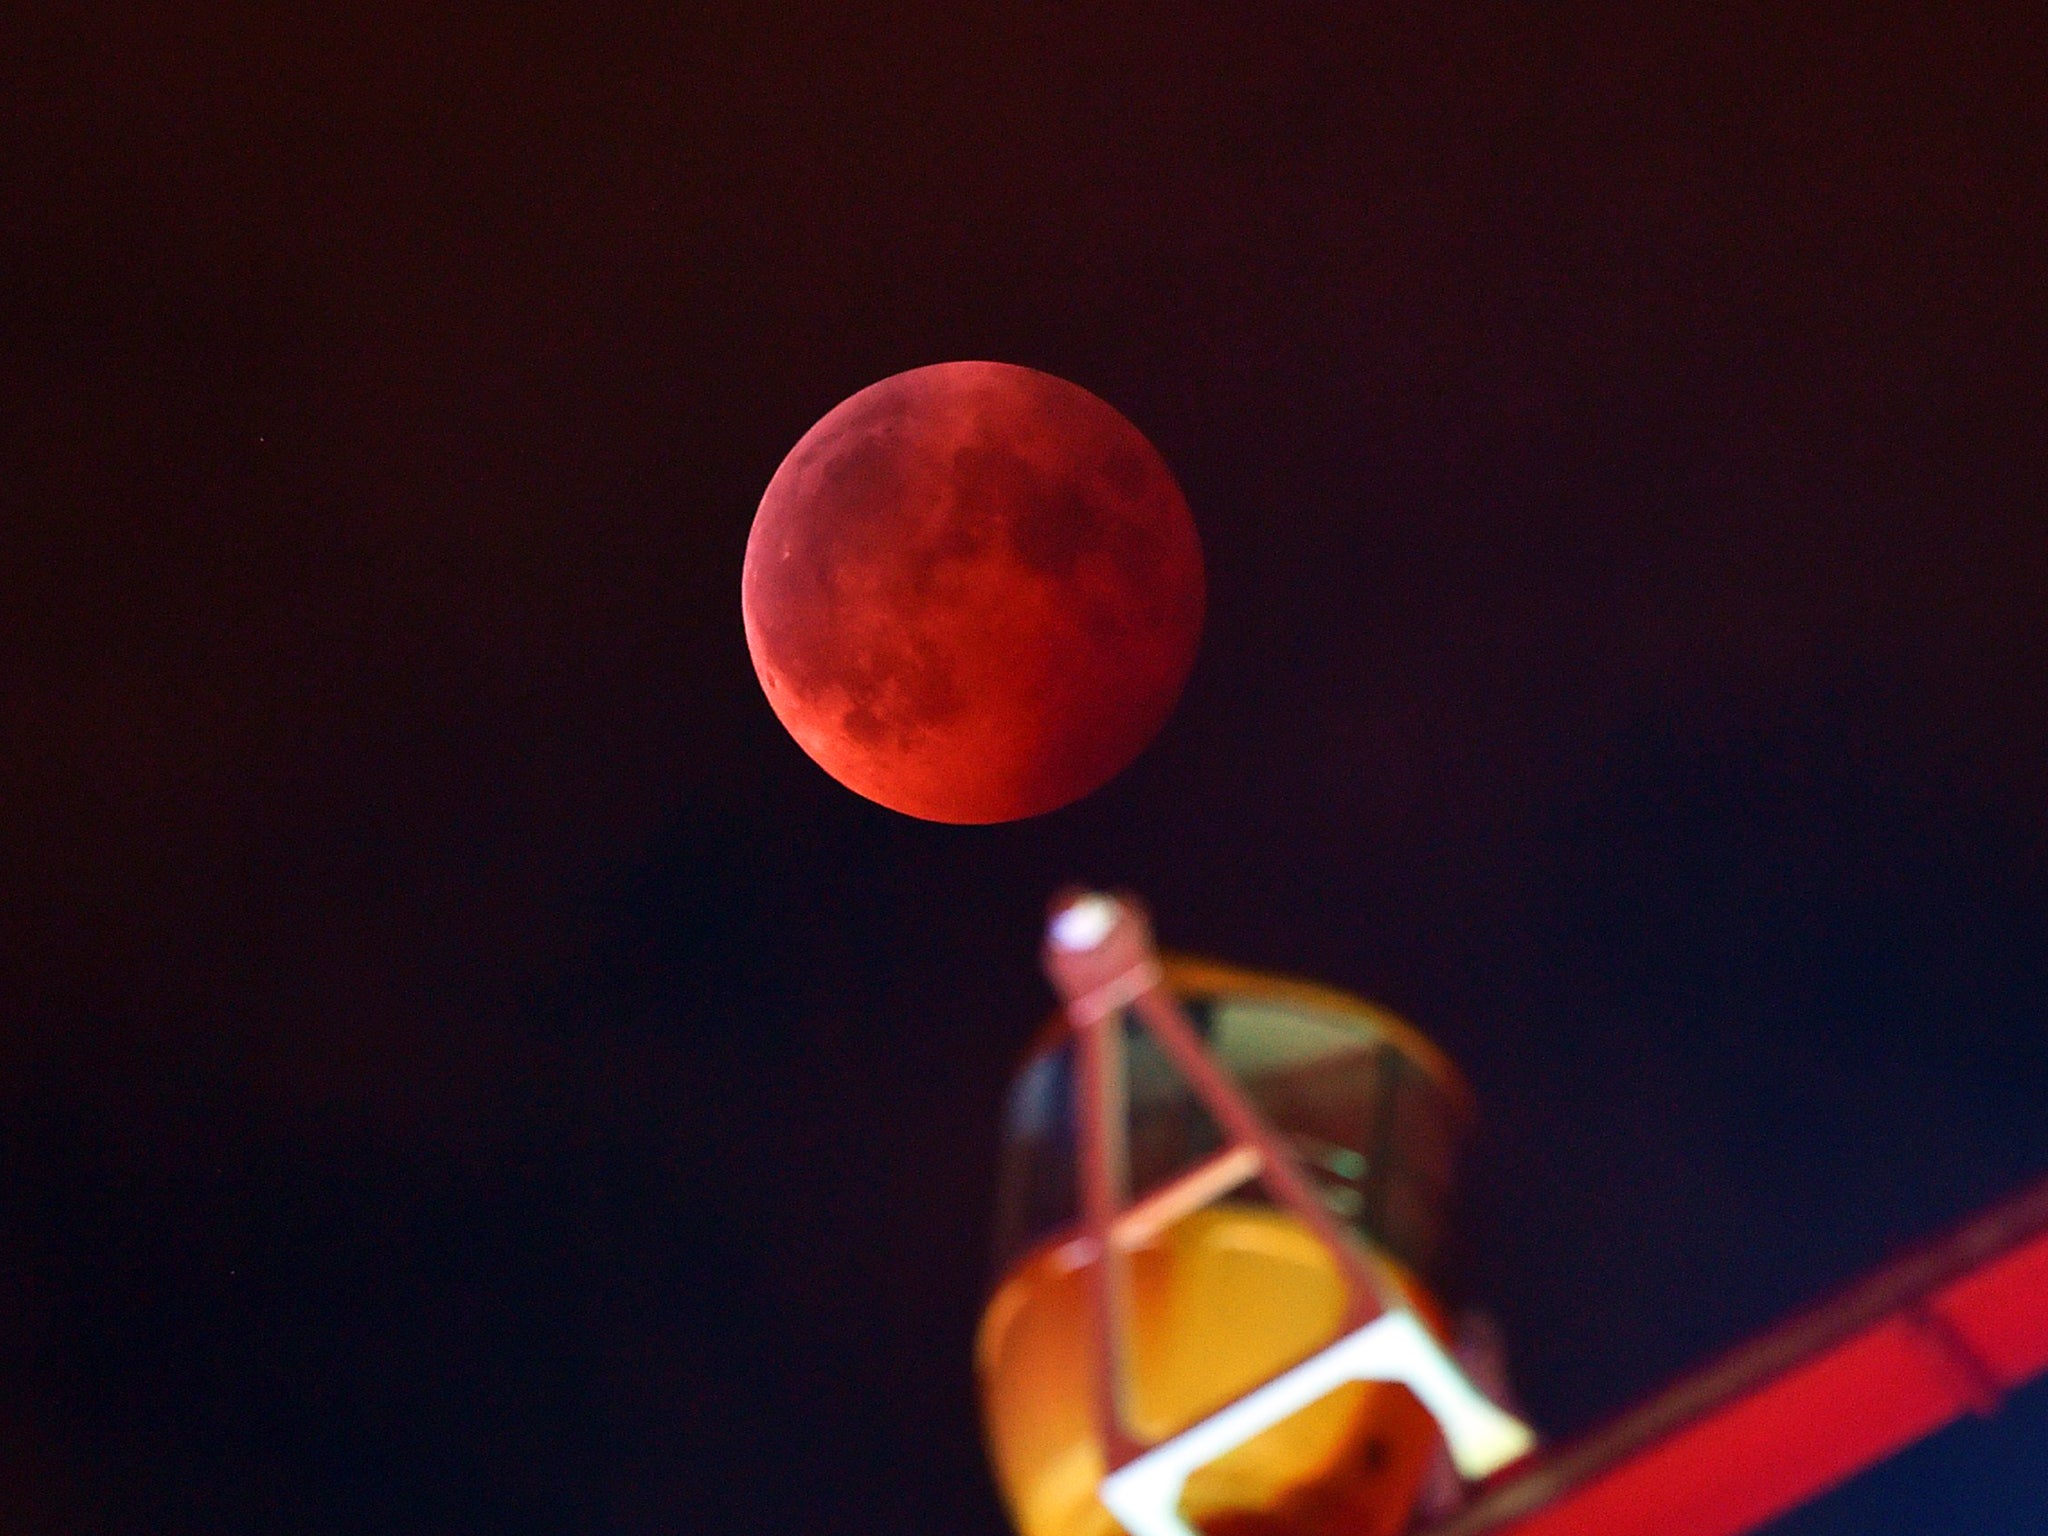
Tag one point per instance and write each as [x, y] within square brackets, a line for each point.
[930, 515]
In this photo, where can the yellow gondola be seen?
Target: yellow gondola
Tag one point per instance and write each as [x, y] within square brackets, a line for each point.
[1222, 1293]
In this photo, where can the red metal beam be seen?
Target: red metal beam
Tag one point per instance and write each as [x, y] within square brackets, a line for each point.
[1945, 1331]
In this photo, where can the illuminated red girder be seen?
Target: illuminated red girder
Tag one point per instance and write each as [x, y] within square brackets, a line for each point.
[1943, 1332]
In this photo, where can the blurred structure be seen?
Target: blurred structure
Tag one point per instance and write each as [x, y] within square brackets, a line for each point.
[1945, 1331]
[1266, 1166]
[1222, 1204]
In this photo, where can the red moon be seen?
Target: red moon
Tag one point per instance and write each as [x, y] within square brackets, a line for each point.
[973, 592]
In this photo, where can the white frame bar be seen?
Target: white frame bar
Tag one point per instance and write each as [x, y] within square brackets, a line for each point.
[1144, 1494]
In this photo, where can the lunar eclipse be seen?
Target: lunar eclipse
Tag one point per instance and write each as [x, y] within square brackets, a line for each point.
[973, 592]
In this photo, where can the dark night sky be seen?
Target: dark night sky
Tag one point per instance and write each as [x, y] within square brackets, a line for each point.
[464, 1070]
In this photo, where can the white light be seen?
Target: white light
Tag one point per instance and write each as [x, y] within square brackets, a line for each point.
[1084, 923]
[1144, 1494]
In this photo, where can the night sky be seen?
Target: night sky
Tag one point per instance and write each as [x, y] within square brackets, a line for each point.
[463, 1069]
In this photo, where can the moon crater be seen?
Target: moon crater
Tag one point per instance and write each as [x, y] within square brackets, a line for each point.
[973, 592]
